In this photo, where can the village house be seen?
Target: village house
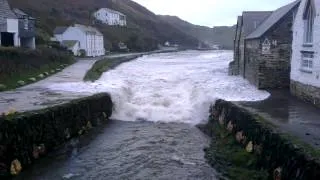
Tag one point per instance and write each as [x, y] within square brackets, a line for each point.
[110, 17]
[268, 50]
[16, 27]
[305, 62]
[246, 24]
[80, 37]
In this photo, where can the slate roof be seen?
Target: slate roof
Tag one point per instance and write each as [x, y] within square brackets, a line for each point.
[275, 17]
[88, 29]
[20, 13]
[69, 43]
[113, 11]
[5, 11]
[60, 29]
[252, 19]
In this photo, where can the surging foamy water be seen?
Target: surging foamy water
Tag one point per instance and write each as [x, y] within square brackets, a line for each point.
[172, 87]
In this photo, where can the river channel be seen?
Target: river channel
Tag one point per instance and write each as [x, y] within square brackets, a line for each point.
[158, 101]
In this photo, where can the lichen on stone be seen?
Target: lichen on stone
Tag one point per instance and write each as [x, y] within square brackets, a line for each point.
[249, 147]
[15, 167]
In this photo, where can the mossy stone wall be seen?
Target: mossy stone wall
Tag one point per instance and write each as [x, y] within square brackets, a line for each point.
[284, 158]
[27, 136]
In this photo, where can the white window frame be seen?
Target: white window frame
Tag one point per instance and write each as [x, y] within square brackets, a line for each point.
[307, 61]
[308, 17]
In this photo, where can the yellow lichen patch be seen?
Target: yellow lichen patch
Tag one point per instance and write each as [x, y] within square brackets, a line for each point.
[11, 112]
[277, 173]
[249, 147]
[15, 167]
[230, 126]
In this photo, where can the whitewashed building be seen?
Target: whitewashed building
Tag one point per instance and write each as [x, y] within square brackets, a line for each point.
[89, 38]
[110, 17]
[305, 62]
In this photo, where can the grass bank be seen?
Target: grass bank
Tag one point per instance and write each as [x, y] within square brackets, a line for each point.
[104, 65]
[20, 67]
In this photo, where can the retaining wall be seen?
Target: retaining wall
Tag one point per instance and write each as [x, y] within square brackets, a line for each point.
[27, 136]
[306, 92]
[284, 158]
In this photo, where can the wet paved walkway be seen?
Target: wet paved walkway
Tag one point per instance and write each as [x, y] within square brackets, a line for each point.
[291, 115]
[37, 95]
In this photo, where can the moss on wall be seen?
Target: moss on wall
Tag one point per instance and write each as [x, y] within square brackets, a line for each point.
[25, 137]
[282, 156]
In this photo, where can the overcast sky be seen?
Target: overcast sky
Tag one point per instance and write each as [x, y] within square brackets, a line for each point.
[210, 12]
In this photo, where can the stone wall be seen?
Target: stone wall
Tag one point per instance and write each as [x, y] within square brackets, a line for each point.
[270, 70]
[234, 65]
[282, 157]
[27, 136]
[306, 92]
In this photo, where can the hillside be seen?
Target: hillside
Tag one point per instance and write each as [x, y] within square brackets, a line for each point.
[145, 29]
[222, 35]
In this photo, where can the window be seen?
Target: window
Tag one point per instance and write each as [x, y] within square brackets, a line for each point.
[307, 61]
[26, 23]
[308, 17]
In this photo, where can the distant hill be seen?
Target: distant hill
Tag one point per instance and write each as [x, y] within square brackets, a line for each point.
[145, 29]
[222, 35]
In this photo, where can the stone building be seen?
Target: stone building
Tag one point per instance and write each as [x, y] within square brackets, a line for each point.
[16, 27]
[246, 24]
[268, 50]
[305, 62]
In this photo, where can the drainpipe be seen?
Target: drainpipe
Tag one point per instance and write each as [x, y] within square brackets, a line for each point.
[244, 59]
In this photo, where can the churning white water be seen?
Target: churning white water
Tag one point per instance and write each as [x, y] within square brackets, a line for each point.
[170, 87]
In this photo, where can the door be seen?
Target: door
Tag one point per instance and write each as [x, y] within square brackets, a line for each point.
[7, 39]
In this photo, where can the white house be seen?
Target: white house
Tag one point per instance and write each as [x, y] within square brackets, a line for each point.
[305, 62]
[89, 38]
[110, 17]
[9, 26]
